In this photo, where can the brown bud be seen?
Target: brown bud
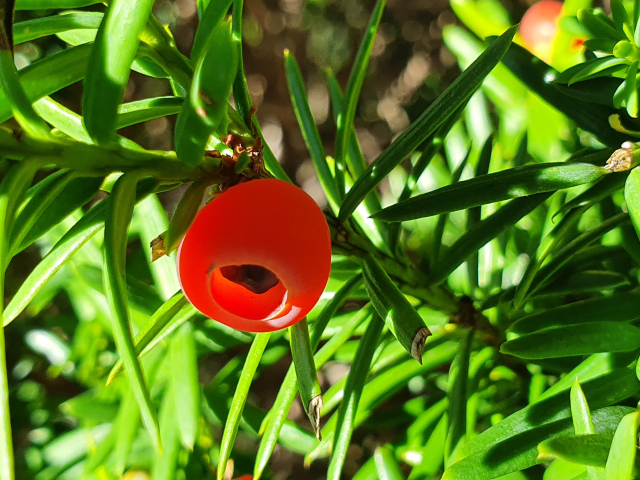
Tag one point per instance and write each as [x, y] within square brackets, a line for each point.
[621, 159]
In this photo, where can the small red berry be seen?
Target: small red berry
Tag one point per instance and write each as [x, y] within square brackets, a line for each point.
[539, 26]
[257, 257]
[245, 477]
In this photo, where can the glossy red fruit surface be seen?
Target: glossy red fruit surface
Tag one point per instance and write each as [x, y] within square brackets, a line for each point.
[539, 26]
[257, 257]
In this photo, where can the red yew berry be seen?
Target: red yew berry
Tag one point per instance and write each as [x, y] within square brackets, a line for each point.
[257, 257]
[539, 26]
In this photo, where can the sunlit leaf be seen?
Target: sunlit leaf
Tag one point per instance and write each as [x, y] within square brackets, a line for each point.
[437, 113]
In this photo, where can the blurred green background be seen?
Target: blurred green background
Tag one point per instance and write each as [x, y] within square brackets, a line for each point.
[55, 356]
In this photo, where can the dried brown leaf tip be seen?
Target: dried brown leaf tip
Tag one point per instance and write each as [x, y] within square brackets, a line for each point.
[315, 405]
[621, 159]
[157, 247]
[418, 342]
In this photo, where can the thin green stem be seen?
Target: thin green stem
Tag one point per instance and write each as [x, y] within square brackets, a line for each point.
[348, 241]
[85, 157]
[6, 443]
[11, 190]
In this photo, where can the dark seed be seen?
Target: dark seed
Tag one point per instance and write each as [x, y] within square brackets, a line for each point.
[254, 278]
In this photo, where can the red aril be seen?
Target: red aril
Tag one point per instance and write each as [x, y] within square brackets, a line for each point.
[539, 26]
[257, 257]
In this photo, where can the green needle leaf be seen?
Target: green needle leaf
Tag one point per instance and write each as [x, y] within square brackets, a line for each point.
[151, 331]
[71, 124]
[39, 197]
[48, 4]
[70, 243]
[438, 112]
[118, 217]
[519, 451]
[126, 425]
[306, 373]
[595, 68]
[622, 456]
[601, 189]
[582, 423]
[587, 281]
[583, 339]
[352, 93]
[602, 391]
[351, 397]
[109, 65]
[619, 15]
[603, 45]
[164, 468]
[632, 197]
[592, 367]
[206, 110]
[393, 307]
[213, 16]
[41, 27]
[387, 467]
[587, 448]
[50, 205]
[376, 231]
[184, 383]
[631, 90]
[241, 95]
[239, 399]
[494, 187]
[584, 449]
[384, 386]
[599, 25]
[597, 90]
[457, 395]
[10, 80]
[309, 130]
[11, 190]
[49, 75]
[185, 214]
[148, 109]
[367, 471]
[288, 390]
[482, 233]
[563, 255]
[622, 307]
[151, 220]
[537, 75]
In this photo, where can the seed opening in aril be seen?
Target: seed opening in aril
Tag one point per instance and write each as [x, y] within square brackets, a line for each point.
[252, 277]
[250, 291]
